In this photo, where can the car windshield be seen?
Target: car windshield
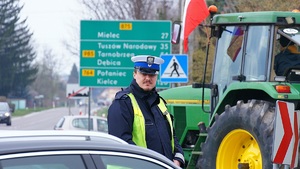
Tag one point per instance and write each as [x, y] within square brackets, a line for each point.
[4, 107]
[82, 123]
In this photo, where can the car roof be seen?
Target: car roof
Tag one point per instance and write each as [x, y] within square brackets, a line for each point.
[23, 141]
[20, 135]
[38, 140]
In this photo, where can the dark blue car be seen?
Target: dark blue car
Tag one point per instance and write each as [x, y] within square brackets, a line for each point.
[5, 113]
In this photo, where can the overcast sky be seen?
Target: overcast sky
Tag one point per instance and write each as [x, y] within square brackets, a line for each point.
[52, 22]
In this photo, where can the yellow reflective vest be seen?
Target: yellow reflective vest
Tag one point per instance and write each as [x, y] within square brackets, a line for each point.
[139, 131]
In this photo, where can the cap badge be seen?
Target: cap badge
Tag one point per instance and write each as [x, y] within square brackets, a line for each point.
[150, 60]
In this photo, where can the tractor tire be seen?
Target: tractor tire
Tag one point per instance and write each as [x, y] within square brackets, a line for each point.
[241, 137]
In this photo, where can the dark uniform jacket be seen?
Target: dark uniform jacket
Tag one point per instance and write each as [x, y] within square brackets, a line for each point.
[284, 60]
[158, 134]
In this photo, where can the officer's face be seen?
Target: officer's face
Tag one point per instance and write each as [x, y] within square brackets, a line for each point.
[145, 81]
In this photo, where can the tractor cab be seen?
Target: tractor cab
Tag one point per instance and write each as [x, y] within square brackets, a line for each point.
[250, 58]
[254, 47]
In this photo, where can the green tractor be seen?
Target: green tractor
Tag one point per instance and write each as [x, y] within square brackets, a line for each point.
[230, 122]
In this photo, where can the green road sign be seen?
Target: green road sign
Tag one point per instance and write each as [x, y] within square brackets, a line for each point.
[106, 48]
[99, 77]
[113, 54]
[126, 30]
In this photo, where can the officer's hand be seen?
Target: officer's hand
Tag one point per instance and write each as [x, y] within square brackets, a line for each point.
[176, 162]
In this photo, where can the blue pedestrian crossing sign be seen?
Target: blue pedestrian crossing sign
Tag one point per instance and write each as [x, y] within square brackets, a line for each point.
[174, 69]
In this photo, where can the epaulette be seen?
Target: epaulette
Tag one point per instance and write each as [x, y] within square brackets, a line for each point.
[163, 99]
[121, 95]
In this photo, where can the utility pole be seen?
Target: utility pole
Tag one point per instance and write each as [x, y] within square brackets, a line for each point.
[89, 109]
[181, 8]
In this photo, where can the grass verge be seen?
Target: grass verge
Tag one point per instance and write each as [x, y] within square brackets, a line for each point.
[23, 112]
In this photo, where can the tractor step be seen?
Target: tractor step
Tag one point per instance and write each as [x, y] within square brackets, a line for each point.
[202, 127]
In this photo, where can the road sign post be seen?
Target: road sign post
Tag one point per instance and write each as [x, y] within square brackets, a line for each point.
[107, 47]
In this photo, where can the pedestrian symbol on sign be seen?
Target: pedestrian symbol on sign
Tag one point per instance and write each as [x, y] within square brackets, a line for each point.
[174, 69]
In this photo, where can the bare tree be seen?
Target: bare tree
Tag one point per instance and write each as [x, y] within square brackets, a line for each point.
[120, 9]
[268, 5]
[47, 82]
[124, 10]
[259, 5]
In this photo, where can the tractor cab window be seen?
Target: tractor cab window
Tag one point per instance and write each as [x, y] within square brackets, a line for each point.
[256, 53]
[229, 56]
[241, 55]
[287, 54]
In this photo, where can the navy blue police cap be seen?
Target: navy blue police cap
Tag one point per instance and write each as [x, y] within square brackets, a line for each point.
[147, 64]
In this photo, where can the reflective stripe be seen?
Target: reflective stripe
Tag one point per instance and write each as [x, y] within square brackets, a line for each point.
[165, 112]
[139, 131]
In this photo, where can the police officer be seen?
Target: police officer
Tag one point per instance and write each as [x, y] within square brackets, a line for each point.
[139, 116]
[287, 58]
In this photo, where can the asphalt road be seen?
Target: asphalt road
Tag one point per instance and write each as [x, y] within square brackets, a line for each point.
[44, 120]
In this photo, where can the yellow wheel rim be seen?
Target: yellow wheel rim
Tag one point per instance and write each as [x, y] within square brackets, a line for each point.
[239, 147]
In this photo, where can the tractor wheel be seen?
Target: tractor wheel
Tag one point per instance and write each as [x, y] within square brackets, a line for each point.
[241, 137]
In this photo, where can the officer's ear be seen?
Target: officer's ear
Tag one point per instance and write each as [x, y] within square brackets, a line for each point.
[134, 73]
